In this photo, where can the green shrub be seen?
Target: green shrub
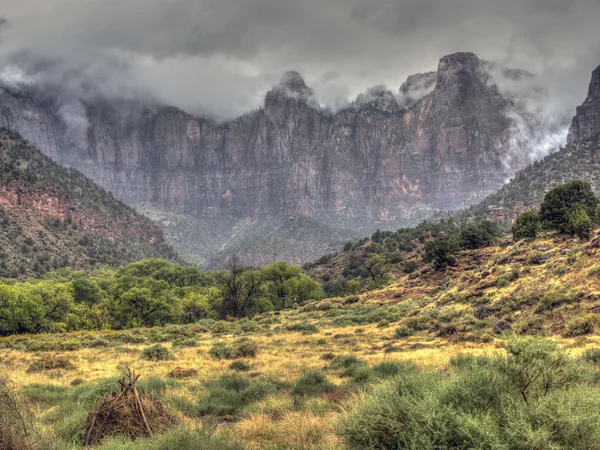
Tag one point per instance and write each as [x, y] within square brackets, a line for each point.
[442, 251]
[241, 348]
[580, 326]
[156, 352]
[527, 225]
[403, 332]
[563, 201]
[240, 366]
[304, 327]
[580, 223]
[534, 397]
[312, 383]
[230, 393]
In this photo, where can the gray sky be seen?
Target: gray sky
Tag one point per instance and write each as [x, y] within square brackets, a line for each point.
[220, 56]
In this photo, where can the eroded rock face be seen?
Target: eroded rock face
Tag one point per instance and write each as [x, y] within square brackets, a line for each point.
[442, 143]
[586, 123]
[380, 160]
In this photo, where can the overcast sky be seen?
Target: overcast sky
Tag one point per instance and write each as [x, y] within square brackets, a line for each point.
[220, 56]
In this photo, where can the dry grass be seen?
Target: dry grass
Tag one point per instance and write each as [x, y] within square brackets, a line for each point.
[285, 355]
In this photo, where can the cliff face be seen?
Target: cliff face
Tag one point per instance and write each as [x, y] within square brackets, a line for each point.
[446, 144]
[586, 123]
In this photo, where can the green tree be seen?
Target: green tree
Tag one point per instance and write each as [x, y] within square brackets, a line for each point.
[580, 223]
[287, 284]
[442, 251]
[526, 226]
[140, 306]
[558, 204]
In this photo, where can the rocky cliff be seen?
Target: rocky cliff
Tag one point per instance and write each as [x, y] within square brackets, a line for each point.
[586, 123]
[52, 217]
[443, 142]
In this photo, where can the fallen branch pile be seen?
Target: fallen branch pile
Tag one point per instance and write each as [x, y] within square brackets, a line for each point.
[127, 414]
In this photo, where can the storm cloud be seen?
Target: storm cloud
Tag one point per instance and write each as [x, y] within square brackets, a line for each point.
[219, 57]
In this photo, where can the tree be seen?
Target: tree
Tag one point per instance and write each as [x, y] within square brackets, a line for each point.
[442, 251]
[287, 285]
[558, 204]
[476, 236]
[580, 223]
[241, 288]
[140, 306]
[526, 226]
[376, 267]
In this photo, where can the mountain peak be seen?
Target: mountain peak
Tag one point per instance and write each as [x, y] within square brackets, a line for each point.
[460, 69]
[586, 123]
[293, 81]
[594, 90]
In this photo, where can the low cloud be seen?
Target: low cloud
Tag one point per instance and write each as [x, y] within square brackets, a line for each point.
[219, 57]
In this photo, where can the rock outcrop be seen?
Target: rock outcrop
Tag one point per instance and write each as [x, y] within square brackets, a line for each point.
[586, 123]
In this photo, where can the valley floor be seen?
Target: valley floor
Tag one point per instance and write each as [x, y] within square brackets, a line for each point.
[290, 379]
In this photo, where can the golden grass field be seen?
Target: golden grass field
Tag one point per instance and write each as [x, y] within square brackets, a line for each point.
[277, 420]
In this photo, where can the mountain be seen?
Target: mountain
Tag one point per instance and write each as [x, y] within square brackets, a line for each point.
[52, 217]
[578, 160]
[445, 141]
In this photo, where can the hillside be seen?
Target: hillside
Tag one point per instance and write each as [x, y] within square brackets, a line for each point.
[54, 217]
[575, 161]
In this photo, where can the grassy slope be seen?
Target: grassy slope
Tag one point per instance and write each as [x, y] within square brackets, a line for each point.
[548, 297]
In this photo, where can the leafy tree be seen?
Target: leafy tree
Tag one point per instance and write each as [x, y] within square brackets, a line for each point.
[580, 223]
[140, 306]
[558, 204]
[199, 305]
[442, 251]
[526, 226]
[86, 291]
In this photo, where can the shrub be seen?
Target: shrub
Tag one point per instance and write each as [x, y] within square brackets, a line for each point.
[312, 383]
[535, 397]
[580, 326]
[410, 266]
[442, 251]
[403, 332]
[527, 225]
[245, 348]
[304, 327]
[50, 362]
[239, 366]
[157, 352]
[220, 350]
[328, 356]
[241, 348]
[580, 223]
[230, 393]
